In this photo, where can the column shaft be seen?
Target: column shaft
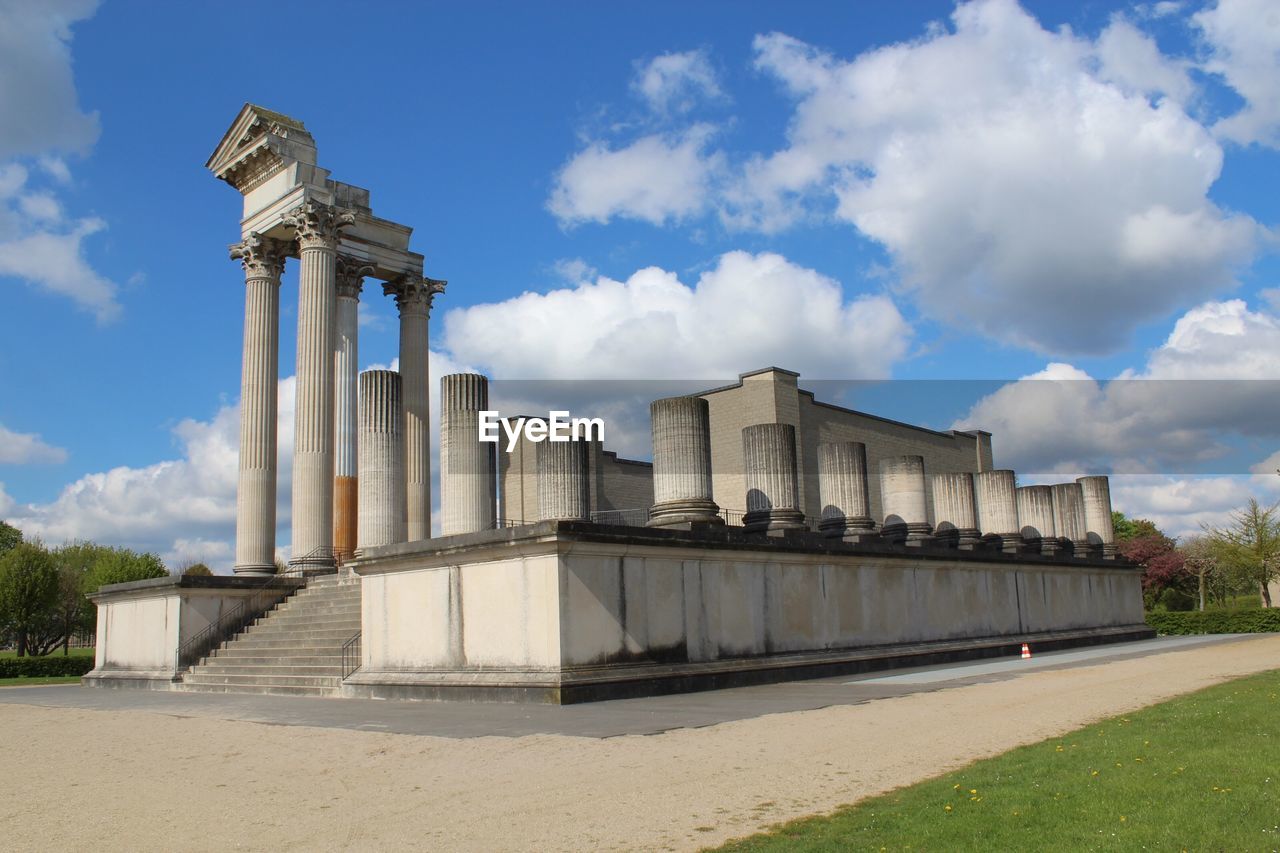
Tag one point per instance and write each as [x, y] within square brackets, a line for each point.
[902, 497]
[769, 468]
[467, 484]
[1068, 517]
[1035, 514]
[844, 491]
[317, 227]
[996, 505]
[381, 469]
[955, 520]
[263, 261]
[346, 399]
[1097, 515]
[564, 480]
[681, 463]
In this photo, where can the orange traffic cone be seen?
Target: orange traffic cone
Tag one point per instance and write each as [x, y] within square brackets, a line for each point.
[1026, 651]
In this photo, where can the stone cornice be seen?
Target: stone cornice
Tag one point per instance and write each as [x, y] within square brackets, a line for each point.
[317, 225]
[350, 276]
[414, 294]
[261, 257]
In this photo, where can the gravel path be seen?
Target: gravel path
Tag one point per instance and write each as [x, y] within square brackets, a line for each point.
[131, 780]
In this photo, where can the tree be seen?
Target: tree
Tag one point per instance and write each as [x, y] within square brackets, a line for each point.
[10, 536]
[1200, 555]
[1163, 566]
[28, 590]
[195, 570]
[72, 612]
[121, 565]
[1250, 543]
[1132, 528]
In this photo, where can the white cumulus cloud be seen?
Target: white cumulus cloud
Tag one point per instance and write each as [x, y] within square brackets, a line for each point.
[747, 311]
[26, 448]
[676, 82]
[1044, 189]
[1244, 41]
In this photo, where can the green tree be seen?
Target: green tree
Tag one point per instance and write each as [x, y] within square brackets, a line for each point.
[1201, 558]
[73, 612]
[28, 590]
[195, 570]
[1250, 544]
[121, 565]
[10, 536]
[1132, 528]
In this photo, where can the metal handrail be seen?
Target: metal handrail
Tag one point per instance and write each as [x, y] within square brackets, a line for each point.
[235, 620]
[351, 658]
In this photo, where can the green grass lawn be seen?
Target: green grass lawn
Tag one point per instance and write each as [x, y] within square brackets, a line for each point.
[1201, 772]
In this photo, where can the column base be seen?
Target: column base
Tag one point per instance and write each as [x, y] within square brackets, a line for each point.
[913, 534]
[773, 522]
[683, 513]
[1009, 543]
[256, 569]
[852, 530]
[314, 564]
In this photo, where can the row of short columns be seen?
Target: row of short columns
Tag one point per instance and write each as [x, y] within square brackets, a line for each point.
[969, 509]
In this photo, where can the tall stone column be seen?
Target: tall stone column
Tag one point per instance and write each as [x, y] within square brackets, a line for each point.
[1068, 517]
[467, 480]
[1097, 515]
[564, 480]
[1035, 514]
[997, 508]
[350, 275]
[844, 492]
[769, 468]
[902, 498]
[317, 227]
[681, 463]
[413, 298]
[381, 469]
[955, 520]
[263, 262]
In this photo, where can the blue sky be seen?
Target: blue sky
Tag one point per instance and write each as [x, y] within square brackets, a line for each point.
[921, 191]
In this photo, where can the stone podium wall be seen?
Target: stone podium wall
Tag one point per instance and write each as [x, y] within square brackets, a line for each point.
[554, 611]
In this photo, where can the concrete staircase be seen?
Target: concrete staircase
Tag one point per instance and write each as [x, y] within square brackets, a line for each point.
[294, 649]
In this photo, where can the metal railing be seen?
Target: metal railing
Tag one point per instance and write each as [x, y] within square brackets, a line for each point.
[351, 656]
[266, 597]
[622, 517]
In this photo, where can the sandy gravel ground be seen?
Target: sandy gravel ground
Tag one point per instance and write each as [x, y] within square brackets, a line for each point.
[129, 780]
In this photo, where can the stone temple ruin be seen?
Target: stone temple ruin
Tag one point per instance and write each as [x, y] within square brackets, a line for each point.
[773, 536]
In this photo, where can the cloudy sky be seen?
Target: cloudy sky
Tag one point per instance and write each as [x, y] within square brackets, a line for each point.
[1054, 221]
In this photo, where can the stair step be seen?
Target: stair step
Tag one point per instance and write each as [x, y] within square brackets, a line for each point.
[271, 669]
[330, 681]
[261, 689]
[249, 659]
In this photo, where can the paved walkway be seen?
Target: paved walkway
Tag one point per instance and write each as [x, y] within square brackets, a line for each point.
[598, 719]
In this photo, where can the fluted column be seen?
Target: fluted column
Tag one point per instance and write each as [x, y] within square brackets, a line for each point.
[1097, 515]
[996, 505]
[381, 468]
[955, 521]
[564, 480]
[902, 498]
[467, 484]
[350, 275]
[681, 463]
[1035, 514]
[1068, 517]
[844, 492]
[414, 296]
[317, 227]
[263, 262]
[769, 468]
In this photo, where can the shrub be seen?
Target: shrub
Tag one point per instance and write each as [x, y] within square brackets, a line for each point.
[47, 667]
[1256, 621]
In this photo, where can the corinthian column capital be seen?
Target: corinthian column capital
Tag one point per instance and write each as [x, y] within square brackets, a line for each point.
[350, 276]
[414, 294]
[318, 225]
[261, 257]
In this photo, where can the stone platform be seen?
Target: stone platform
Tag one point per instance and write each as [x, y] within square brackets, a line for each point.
[566, 612]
